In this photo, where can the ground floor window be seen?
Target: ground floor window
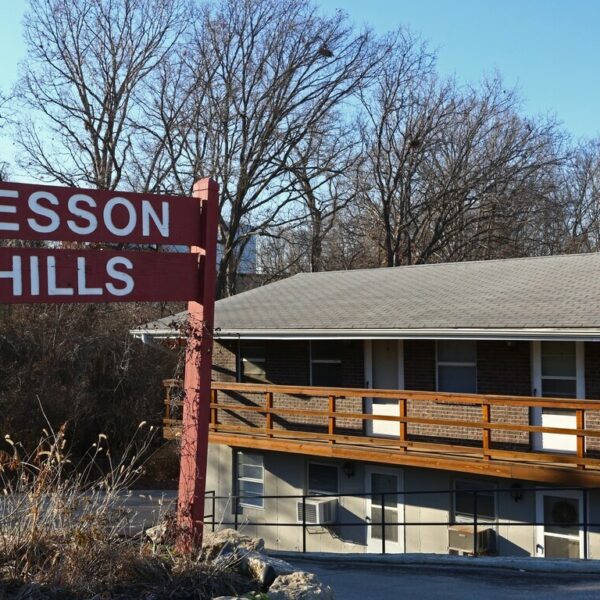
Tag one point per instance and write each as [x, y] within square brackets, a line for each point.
[464, 501]
[250, 482]
[323, 479]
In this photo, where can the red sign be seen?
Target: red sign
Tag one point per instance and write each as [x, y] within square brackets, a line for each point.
[39, 212]
[29, 275]
[43, 212]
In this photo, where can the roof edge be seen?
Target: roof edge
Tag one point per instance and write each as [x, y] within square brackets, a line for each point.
[556, 334]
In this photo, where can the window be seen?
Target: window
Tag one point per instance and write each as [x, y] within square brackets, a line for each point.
[250, 479]
[559, 369]
[252, 361]
[464, 501]
[325, 364]
[322, 479]
[457, 366]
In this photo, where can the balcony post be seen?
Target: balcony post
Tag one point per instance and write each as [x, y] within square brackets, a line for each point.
[213, 409]
[402, 411]
[268, 412]
[331, 420]
[580, 424]
[485, 434]
[168, 388]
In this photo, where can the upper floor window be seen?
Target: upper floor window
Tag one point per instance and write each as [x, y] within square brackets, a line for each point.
[325, 363]
[252, 361]
[457, 366]
[559, 369]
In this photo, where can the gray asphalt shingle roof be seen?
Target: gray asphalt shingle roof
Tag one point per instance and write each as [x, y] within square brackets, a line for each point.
[560, 292]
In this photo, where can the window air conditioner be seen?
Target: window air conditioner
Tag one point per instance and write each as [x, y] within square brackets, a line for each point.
[461, 539]
[319, 511]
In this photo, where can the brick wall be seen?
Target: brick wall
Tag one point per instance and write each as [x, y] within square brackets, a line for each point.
[501, 369]
[288, 363]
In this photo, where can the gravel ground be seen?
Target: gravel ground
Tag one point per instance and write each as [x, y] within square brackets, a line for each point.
[414, 582]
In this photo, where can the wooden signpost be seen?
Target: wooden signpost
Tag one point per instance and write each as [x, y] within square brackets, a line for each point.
[61, 273]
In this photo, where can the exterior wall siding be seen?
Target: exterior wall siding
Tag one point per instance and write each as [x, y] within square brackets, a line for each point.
[426, 501]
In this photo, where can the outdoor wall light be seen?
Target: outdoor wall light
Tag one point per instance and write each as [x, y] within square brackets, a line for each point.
[349, 469]
[516, 492]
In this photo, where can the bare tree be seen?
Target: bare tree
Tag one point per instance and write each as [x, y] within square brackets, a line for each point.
[86, 63]
[324, 175]
[578, 195]
[270, 73]
[449, 169]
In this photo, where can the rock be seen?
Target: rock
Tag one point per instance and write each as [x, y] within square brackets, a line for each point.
[299, 586]
[265, 569]
[228, 540]
[231, 598]
[157, 533]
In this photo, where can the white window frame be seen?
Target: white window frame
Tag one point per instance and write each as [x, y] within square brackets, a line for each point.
[321, 492]
[461, 518]
[241, 359]
[320, 361]
[443, 363]
[537, 378]
[240, 502]
[539, 441]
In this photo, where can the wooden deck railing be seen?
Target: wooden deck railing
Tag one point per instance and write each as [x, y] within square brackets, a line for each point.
[256, 406]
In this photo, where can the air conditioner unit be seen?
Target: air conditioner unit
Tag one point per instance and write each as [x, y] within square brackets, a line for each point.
[319, 511]
[461, 539]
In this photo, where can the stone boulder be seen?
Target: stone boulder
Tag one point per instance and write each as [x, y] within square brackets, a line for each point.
[227, 541]
[299, 586]
[264, 569]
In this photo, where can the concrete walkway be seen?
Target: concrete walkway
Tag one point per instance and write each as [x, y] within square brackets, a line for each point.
[375, 581]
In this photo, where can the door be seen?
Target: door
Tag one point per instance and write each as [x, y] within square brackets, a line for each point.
[384, 504]
[557, 371]
[385, 365]
[561, 513]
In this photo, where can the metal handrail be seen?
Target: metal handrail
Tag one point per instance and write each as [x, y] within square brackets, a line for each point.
[476, 522]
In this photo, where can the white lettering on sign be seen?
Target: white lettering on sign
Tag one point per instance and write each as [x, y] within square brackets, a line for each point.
[77, 211]
[162, 224]
[81, 215]
[82, 287]
[119, 281]
[53, 289]
[34, 275]
[15, 275]
[43, 211]
[108, 216]
[119, 276]
[9, 209]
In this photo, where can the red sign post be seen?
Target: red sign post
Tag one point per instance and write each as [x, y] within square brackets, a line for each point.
[89, 274]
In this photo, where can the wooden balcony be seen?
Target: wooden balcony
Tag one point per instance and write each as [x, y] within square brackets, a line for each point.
[482, 434]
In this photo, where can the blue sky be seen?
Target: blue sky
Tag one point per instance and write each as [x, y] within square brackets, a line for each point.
[549, 49]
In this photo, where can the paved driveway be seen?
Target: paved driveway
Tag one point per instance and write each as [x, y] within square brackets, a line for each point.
[414, 582]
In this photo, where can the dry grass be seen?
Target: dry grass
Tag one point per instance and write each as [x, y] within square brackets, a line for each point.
[66, 531]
